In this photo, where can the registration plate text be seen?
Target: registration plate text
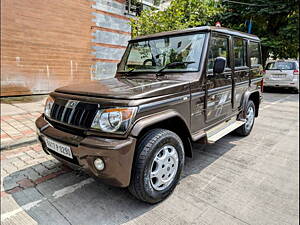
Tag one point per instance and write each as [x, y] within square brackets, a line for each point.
[59, 148]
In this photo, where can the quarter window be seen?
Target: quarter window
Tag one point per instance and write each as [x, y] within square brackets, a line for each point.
[239, 52]
[254, 53]
[218, 47]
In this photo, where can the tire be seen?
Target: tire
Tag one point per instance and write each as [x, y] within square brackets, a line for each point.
[246, 129]
[159, 154]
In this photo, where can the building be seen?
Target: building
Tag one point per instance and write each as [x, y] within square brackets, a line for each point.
[51, 43]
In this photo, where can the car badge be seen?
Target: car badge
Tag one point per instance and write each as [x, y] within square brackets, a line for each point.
[72, 104]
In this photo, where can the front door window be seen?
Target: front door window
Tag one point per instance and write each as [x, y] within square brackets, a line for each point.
[219, 47]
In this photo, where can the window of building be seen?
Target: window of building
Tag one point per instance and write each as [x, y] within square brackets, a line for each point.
[135, 7]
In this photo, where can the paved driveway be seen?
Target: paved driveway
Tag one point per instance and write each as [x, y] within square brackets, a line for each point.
[252, 180]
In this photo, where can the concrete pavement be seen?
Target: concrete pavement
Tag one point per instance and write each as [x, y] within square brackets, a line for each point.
[22, 105]
[251, 180]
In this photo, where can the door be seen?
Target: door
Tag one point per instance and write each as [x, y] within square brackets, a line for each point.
[241, 71]
[219, 86]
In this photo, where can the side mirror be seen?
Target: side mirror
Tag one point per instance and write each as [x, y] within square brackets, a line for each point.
[219, 65]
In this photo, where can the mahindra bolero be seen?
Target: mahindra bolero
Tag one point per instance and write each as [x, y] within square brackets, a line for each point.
[170, 90]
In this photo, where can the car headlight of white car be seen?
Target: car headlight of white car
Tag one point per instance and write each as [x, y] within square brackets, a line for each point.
[113, 120]
[48, 106]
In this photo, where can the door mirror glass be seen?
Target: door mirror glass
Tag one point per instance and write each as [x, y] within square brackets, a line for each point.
[219, 65]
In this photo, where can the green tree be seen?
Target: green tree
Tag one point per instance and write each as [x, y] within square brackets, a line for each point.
[275, 22]
[180, 14]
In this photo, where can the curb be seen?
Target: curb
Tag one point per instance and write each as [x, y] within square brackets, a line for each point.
[19, 143]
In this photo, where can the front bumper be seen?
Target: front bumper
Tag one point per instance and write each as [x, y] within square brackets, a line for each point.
[116, 154]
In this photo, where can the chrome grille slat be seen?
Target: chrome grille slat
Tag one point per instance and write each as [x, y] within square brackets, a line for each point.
[67, 115]
[81, 115]
[86, 117]
[71, 115]
[60, 112]
[64, 113]
[77, 115]
[56, 113]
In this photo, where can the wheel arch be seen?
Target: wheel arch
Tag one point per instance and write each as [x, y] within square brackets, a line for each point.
[255, 97]
[165, 120]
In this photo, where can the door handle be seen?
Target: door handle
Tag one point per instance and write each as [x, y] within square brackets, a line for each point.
[226, 76]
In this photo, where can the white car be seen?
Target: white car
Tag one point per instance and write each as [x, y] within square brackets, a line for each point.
[283, 74]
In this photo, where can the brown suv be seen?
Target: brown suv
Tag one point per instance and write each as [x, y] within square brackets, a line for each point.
[171, 89]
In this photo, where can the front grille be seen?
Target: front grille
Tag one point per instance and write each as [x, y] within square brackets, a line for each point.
[67, 129]
[80, 115]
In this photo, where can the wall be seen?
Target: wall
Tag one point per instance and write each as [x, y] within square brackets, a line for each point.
[50, 43]
[111, 33]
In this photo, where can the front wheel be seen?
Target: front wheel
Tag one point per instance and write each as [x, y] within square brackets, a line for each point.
[157, 167]
[250, 117]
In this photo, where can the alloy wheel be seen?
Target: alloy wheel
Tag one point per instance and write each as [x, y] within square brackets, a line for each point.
[164, 167]
[249, 118]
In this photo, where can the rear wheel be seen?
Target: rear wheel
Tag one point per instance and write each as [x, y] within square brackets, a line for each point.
[250, 117]
[158, 164]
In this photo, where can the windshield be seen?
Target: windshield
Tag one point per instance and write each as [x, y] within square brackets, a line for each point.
[281, 66]
[154, 54]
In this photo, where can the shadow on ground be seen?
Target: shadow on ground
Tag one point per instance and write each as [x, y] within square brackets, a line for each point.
[62, 202]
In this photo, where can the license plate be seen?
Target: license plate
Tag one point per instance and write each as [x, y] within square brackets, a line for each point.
[278, 75]
[59, 148]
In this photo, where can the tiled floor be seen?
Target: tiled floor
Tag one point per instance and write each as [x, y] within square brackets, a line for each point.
[18, 115]
[18, 127]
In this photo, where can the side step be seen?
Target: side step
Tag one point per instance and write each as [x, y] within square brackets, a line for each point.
[221, 130]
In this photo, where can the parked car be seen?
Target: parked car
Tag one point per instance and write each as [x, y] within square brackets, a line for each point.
[170, 90]
[283, 74]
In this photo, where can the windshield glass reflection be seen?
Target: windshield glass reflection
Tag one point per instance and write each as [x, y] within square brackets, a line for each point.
[184, 52]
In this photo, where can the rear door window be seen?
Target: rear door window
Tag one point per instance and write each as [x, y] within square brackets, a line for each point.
[254, 53]
[239, 48]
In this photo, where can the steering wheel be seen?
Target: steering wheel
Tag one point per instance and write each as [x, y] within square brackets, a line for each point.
[149, 60]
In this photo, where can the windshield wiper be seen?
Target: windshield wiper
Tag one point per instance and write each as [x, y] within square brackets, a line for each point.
[129, 71]
[171, 65]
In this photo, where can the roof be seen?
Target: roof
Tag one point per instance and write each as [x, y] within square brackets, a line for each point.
[199, 29]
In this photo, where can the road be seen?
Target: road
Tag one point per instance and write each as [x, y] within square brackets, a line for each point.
[251, 180]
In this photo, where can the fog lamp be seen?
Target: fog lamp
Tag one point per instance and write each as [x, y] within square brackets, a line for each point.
[99, 164]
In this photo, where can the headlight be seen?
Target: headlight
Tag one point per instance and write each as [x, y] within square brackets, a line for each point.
[48, 106]
[115, 120]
